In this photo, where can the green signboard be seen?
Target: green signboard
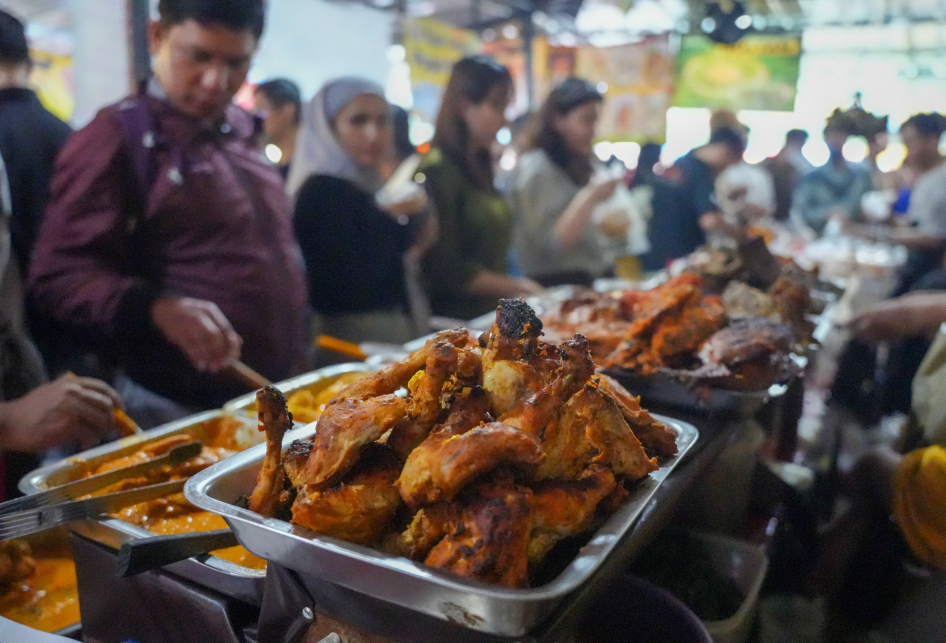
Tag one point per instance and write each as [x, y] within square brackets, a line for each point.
[758, 72]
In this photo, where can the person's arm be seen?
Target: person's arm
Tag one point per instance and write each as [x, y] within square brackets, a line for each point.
[913, 315]
[77, 275]
[70, 409]
[448, 266]
[912, 238]
[574, 220]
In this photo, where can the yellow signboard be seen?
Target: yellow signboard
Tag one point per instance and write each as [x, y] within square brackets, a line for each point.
[52, 78]
[432, 48]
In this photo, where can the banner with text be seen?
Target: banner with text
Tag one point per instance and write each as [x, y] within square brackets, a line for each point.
[432, 48]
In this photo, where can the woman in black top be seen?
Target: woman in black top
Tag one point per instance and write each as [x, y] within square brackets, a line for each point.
[353, 248]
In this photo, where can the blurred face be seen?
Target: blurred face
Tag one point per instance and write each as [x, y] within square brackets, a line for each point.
[877, 144]
[200, 67]
[365, 130]
[577, 128]
[921, 150]
[484, 120]
[278, 122]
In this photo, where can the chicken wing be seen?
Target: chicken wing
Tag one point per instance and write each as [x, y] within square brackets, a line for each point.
[618, 448]
[489, 537]
[658, 440]
[360, 509]
[562, 509]
[445, 463]
[516, 364]
[275, 420]
[425, 408]
[344, 429]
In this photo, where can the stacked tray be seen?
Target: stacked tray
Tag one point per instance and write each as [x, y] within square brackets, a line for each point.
[481, 607]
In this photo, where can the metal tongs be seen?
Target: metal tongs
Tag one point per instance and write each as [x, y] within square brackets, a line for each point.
[30, 514]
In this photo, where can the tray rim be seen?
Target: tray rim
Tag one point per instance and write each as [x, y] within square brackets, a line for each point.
[579, 571]
[241, 405]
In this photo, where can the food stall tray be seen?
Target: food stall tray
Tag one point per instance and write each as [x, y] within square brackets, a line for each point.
[245, 405]
[229, 578]
[663, 391]
[482, 607]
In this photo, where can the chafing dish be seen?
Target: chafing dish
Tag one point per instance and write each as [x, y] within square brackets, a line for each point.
[315, 381]
[224, 576]
[403, 582]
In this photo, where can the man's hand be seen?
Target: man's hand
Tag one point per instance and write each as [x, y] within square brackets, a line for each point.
[199, 329]
[71, 409]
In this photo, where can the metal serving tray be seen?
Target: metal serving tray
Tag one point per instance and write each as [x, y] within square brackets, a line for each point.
[666, 392]
[478, 606]
[245, 405]
[209, 571]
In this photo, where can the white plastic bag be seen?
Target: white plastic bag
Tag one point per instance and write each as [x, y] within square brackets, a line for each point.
[620, 218]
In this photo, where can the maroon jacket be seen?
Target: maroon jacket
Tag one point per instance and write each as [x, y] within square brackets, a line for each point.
[215, 226]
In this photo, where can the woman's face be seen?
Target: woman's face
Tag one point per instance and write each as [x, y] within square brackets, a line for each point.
[364, 129]
[485, 119]
[577, 128]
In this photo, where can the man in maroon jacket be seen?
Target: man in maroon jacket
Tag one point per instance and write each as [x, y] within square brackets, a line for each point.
[168, 236]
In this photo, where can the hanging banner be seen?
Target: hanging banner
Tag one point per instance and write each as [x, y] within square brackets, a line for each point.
[551, 65]
[53, 79]
[432, 48]
[639, 77]
[758, 72]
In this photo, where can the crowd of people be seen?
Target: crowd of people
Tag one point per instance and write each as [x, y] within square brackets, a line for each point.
[145, 254]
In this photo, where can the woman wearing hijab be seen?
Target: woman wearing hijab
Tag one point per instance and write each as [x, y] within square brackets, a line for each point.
[555, 191]
[467, 268]
[353, 248]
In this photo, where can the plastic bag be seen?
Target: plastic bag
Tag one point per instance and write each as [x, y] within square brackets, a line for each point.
[619, 218]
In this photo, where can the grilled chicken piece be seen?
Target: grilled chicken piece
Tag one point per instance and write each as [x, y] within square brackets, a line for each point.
[489, 536]
[16, 562]
[516, 364]
[344, 429]
[658, 440]
[647, 307]
[275, 419]
[742, 300]
[443, 464]
[617, 446]
[562, 509]
[397, 375]
[361, 508]
[425, 408]
[294, 461]
[427, 528]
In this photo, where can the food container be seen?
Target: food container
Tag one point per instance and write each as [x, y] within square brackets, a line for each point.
[315, 381]
[481, 607]
[233, 580]
[52, 551]
[668, 393]
[746, 564]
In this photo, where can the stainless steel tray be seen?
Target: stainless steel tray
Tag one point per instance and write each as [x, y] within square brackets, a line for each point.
[245, 405]
[666, 392]
[403, 582]
[234, 580]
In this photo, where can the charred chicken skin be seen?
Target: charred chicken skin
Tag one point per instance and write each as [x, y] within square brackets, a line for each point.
[488, 539]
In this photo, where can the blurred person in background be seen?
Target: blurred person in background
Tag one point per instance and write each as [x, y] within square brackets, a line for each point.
[30, 138]
[353, 247]
[403, 148]
[684, 201]
[555, 190]
[36, 415]
[836, 188]
[787, 168]
[647, 162]
[173, 260]
[467, 269]
[745, 193]
[279, 103]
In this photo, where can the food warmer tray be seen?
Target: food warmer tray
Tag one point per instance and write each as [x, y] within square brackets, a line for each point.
[321, 378]
[486, 608]
[236, 581]
[663, 391]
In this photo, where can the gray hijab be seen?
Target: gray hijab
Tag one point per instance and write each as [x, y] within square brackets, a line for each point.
[317, 150]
